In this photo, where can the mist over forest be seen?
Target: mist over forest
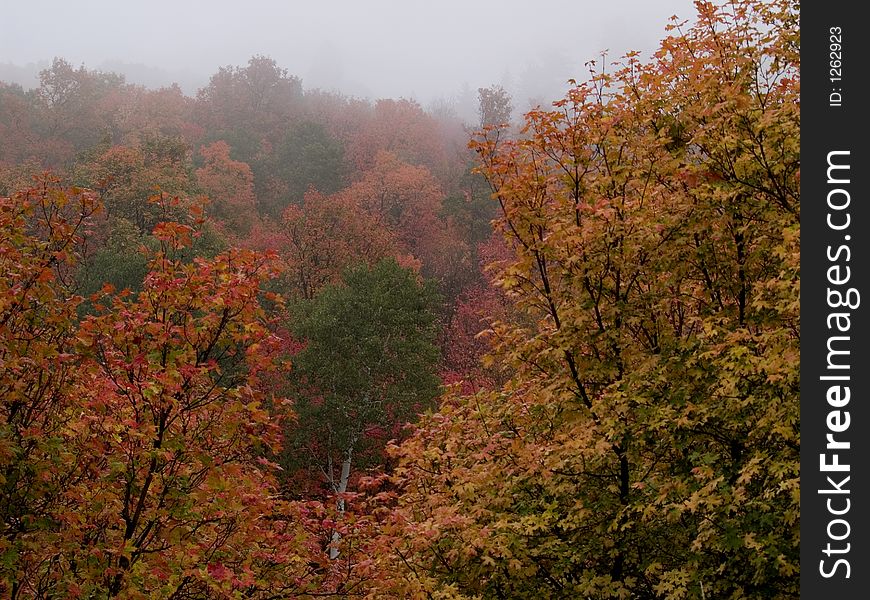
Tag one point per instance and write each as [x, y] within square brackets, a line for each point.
[429, 52]
[400, 300]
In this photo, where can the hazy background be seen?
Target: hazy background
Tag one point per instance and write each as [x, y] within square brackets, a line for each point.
[436, 50]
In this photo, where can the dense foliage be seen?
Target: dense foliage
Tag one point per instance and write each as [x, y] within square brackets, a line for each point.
[647, 442]
[270, 342]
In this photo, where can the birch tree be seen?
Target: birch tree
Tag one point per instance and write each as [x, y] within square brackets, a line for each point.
[368, 367]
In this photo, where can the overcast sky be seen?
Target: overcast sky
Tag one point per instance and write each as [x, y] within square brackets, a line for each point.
[423, 49]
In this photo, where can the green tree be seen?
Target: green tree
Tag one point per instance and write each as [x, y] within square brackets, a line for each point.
[368, 366]
[306, 157]
[119, 260]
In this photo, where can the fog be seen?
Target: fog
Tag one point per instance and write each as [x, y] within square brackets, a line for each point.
[427, 50]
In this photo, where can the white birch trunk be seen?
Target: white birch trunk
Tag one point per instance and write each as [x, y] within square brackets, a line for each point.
[340, 489]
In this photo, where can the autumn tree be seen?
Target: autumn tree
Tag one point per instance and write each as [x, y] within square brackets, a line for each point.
[326, 235]
[407, 200]
[245, 106]
[71, 111]
[19, 176]
[18, 123]
[466, 340]
[402, 128]
[164, 112]
[343, 117]
[180, 426]
[127, 176]
[647, 444]
[40, 230]
[75, 105]
[229, 185]
[494, 107]
[133, 443]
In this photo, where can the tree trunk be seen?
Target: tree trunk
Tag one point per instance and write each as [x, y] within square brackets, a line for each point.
[340, 489]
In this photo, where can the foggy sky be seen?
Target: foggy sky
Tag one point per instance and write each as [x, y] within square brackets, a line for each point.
[376, 48]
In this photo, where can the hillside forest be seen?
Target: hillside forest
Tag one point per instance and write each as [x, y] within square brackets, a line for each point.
[273, 342]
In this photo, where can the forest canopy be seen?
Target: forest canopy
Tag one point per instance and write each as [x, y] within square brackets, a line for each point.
[270, 342]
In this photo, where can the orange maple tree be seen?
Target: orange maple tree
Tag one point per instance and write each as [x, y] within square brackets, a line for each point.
[647, 443]
[134, 444]
[229, 185]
